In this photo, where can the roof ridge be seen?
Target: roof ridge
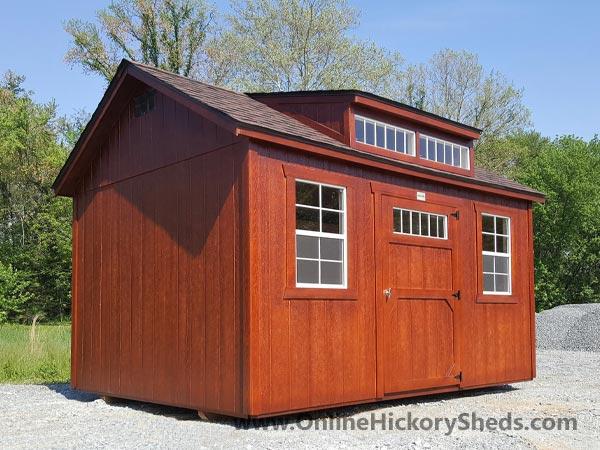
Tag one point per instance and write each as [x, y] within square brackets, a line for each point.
[169, 73]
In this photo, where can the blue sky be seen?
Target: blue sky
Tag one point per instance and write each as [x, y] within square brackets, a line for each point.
[550, 48]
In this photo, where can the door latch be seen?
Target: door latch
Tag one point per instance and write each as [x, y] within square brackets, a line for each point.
[388, 293]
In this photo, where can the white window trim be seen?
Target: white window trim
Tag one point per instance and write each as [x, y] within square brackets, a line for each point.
[444, 142]
[445, 238]
[406, 132]
[342, 236]
[504, 255]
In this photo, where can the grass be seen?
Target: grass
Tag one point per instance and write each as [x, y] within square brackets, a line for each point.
[35, 354]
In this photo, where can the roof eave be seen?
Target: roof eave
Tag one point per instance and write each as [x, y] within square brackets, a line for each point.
[261, 133]
[63, 175]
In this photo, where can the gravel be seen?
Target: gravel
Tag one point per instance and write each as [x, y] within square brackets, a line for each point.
[569, 327]
[567, 386]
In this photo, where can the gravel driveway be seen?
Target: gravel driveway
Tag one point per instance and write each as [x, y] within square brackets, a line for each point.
[568, 385]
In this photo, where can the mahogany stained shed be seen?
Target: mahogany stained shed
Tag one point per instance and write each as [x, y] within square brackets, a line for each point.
[184, 273]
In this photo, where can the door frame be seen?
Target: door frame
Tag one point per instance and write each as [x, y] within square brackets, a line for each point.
[379, 190]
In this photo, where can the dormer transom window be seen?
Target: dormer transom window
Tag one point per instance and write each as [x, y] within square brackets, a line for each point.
[384, 135]
[445, 152]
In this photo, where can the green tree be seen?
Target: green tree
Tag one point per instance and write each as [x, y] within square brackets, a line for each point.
[505, 155]
[455, 85]
[35, 266]
[567, 227]
[169, 34]
[14, 292]
[286, 45]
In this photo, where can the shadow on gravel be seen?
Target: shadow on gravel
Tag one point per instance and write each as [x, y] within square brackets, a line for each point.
[71, 394]
[278, 422]
[348, 411]
[161, 410]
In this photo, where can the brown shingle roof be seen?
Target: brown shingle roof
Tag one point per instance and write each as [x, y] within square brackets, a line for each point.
[247, 113]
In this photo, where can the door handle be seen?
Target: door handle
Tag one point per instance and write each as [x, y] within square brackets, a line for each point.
[388, 293]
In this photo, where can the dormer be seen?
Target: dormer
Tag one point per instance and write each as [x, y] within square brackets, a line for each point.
[382, 127]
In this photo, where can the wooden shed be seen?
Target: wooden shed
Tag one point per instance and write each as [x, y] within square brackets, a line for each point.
[262, 254]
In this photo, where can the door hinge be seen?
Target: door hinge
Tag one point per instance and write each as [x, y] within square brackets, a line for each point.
[459, 376]
[457, 295]
[456, 215]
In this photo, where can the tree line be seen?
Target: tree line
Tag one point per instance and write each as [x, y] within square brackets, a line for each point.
[282, 45]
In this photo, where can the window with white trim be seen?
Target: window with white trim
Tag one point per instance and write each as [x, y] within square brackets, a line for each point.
[445, 152]
[419, 223]
[321, 246]
[384, 135]
[495, 243]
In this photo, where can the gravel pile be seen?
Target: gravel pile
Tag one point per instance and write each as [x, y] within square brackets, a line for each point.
[569, 327]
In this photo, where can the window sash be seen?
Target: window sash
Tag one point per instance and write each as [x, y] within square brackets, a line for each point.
[420, 215]
[327, 235]
[505, 255]
[438, 150]
[406, 146]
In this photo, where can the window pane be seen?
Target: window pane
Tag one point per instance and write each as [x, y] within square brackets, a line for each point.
[397, 221]
[406, 222]
[440, 152]
[442, 227]
[431, 150]
[370, 133]
[501, 244]
[488, 263]
[332, 222]
[390, 134]
[501, 264]
[307, 194]
[501, 225]
[488, 282]
[400, 141]
[464, 158]
[359, 125]
[448, 153]
[433, 226]
[488, 243]
[380, 136]
[307, 271]
[332, 249]
[501, 283]
[331, 198]
[415, 223]
[422, 147]
[456, 155]
[307, 219]
[424, 224]
[307, 247]
[410, 143]
[487, 224]
[331, 273]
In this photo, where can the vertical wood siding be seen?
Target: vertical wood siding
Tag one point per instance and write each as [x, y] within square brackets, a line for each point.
[157, 313]
[314, 353]
[180, 272]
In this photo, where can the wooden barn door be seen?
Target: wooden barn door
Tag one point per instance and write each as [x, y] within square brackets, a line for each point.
[417, 295]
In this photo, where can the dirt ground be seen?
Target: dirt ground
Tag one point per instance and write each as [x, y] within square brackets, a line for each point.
[567, 387]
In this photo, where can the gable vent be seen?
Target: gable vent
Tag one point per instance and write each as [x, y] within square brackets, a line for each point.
[143, 104]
